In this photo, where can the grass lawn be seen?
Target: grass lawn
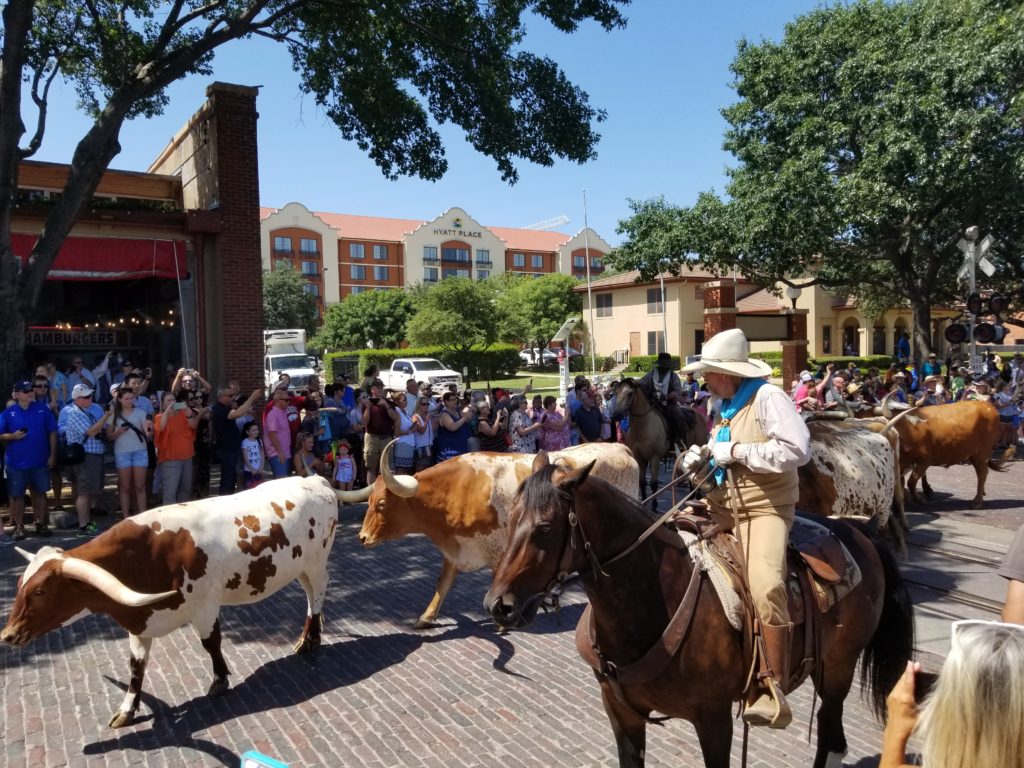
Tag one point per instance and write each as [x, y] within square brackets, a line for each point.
[545, 383]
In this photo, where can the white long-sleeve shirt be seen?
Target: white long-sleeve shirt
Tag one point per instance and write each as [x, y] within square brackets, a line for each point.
[789, 443]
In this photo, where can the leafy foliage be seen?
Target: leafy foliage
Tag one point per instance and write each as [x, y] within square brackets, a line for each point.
[388, 73]
[285, 302]
[457, 314]
[867, 141]
[533, 309]
[362, 319]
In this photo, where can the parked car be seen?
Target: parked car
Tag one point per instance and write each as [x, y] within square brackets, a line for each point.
[529, 357]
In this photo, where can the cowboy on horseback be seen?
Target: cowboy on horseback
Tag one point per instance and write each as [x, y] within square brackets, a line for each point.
[757, 442]
[667, 390]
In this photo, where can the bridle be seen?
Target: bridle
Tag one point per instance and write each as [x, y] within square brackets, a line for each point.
[556, 586]
[634, 388]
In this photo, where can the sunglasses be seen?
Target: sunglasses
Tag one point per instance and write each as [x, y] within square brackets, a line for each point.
[958, 627]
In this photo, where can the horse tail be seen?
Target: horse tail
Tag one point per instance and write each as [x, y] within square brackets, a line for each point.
[892, 645]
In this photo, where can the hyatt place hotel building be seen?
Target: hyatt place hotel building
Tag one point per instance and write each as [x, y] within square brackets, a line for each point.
[341, 254]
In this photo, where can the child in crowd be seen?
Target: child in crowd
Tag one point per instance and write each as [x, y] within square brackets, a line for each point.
[344, 466]
[252, 456]
[305, 460]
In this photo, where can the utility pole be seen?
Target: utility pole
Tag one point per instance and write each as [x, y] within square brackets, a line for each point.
[975, 256]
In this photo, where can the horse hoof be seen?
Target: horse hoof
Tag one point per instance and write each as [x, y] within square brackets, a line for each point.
[218, 688]
[121, 719]
[307, 645]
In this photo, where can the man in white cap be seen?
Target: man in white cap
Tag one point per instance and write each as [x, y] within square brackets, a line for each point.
[757, 442]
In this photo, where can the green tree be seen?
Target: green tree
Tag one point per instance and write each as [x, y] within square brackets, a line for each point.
[371, 318]
[533, 309]
[457, 314]
[285, 301]
[867, 141]
[386, 72]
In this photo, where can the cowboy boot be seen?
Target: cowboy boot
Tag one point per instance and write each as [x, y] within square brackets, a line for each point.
[771, 707]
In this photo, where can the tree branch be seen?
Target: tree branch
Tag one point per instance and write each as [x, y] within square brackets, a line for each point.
[42, 104]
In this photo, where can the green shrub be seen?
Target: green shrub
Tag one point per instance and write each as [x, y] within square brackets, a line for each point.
[843, 361]
[644, 363]
[774, 359]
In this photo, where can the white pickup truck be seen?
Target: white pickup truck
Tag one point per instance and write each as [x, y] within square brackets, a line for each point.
[425, 369]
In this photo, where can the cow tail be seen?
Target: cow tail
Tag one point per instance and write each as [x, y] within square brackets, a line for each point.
[892, 645]
[999, 465]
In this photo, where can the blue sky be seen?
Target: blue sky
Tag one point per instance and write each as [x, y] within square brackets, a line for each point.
[662, 80]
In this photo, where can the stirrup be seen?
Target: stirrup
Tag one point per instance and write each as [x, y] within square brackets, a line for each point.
[770, 708]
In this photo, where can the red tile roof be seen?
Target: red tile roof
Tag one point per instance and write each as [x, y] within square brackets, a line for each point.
[395, 230]
[759, 301]
[531, 239]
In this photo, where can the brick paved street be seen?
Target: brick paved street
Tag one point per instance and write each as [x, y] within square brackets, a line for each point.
[378, 694]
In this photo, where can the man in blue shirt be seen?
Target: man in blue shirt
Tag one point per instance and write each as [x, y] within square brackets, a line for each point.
[29, 429]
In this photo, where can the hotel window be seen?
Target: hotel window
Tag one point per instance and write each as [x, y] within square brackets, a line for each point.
[310, 268]
[282, 244]
[357, 250]
[381, 273]
[654, 305]
[308, 245]
[380, 252]
[357, 271]
[604, 304]
[518, 259]
[483, 256]
[359, 289]
[283, 264]
[579, 262]
[455, 273]
[430, 274]
[455, 254]
[595, 263]
[537, 260]
[312, 289]
[655, 342]
[430, 253]
[483, 274]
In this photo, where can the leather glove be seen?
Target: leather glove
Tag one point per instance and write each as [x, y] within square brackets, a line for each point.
[695, 457]
[722, 453]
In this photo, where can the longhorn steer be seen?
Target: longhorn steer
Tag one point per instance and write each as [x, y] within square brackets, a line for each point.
[854, 471]
[462, 504]
[172, 565]
[942, 435]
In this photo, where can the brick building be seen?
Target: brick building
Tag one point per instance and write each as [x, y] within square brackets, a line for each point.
[162, 266]
[341, 254]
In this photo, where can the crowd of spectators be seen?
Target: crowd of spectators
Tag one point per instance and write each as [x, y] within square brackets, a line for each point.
[165, 431]
[931, 383]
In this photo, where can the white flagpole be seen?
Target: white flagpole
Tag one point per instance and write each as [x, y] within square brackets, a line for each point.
[590, 298]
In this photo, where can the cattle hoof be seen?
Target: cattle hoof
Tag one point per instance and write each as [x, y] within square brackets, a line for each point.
[422, 623]
[307, 645]
[218, 688]
[976, 504]
[121, 719]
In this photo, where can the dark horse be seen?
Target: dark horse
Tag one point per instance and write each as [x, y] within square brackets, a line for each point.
[557, 511]
[648, 434]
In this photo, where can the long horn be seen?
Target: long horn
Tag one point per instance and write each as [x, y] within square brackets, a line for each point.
[354, 497]
[103, 580]
[901, 415]
[404, 486]
[24, 553]
[886, 411]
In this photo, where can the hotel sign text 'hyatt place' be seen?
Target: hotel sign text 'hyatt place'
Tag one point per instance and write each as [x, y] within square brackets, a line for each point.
[458, 231]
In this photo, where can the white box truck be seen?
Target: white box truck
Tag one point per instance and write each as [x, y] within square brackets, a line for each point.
[285, 352]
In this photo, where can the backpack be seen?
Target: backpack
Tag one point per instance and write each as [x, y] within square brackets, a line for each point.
[338, 423]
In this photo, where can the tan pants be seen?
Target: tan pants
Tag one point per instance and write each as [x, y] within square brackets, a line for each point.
[764, 538]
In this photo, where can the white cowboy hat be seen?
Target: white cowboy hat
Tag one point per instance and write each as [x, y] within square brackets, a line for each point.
[727, 352]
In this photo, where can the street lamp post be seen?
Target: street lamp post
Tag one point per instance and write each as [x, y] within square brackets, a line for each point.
[971, 236]
[664, 309]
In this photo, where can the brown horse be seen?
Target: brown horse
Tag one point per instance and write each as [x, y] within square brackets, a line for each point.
[648, 434]
[562, 517]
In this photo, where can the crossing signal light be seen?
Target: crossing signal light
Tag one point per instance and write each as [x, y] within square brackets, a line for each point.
[957, 333]
[987, 333]
[996, 303]
[974, 304]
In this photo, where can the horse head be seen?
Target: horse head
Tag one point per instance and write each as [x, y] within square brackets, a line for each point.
[540, 552]
[627, 392]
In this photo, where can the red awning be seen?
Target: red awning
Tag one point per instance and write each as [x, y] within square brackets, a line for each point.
[110, 258]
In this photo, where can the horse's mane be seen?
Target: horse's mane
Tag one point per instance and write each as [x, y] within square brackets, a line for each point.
[538, 492]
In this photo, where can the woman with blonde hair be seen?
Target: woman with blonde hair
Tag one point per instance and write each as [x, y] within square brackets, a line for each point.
[974, 718]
